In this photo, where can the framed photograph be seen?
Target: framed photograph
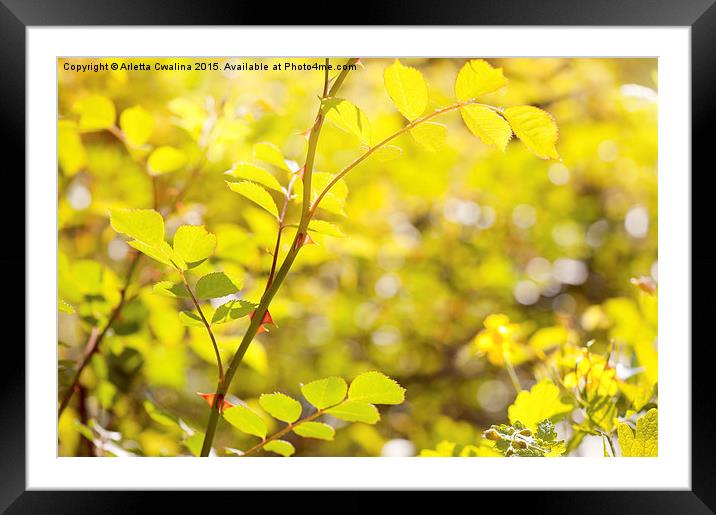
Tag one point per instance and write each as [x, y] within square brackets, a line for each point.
[443, 249]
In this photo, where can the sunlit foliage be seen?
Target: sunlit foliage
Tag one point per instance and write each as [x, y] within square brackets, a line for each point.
[497, 259]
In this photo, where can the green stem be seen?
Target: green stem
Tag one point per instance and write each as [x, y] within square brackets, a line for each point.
[281, 274]
[207, 325]
[279, 434]
[511, 371]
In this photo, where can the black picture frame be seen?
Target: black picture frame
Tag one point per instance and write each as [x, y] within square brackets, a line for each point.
[700, 15]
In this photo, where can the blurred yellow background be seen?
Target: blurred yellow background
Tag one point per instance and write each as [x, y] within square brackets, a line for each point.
[435, 243]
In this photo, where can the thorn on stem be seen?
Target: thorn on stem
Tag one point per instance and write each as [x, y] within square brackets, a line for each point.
[266, 320]
[209, 398]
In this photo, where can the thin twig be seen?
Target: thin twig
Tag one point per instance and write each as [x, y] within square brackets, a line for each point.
[281, 227]
[511, 371]
[387, 140]
[282, 432]
[207, 325]
[96, 336]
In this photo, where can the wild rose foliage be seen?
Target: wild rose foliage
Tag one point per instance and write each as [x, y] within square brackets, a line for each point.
[205, 272]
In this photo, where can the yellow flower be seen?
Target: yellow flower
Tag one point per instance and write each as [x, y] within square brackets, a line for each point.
[498, 341]
[591, 372]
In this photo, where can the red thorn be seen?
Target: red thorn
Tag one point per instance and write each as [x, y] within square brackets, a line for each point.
[266, 320]
[209, 398]
[304, 239]
[299, 172]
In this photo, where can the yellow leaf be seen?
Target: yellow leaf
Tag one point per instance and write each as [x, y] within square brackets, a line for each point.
[549, 337]
[648, 357]
[348, 117]
[486, 124]
[536, 128]
[137, 125]
[256, 194]
[540, 403]
[166, 159]
[477, 77]
[70, 152]
[96, 113]
[407, 89]
[270, 153]
[194, 244]
[255, 174]
[431, 136]
[645, 443]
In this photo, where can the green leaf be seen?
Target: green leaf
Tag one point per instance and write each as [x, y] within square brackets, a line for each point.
[84, 430]
[646, 440]
[281, 407]
[136, 124]
[190, 319]
[170, 289]
[159, 416]
[335, 200]
[549, 337]
[96, 113]
[376, 388]
[407, 89]
[323, 393]
[477, 77]
[246, 421]
[333, 204]
[255, 174]
[327, 228]
[193, 244]
[444, 449]
[255, 194]
[535, 128]
[194, 443]
[348, 117]
[281, 447]
[232, 310]
[487, 125]
[144, 225]
[431, 136]
[215, 284]
[355, 411]
[321, 180]
[540, 403]
[166, 159]
[162, 253]
[64, 306]
[70, 151]
[270, 153]
[317, 430]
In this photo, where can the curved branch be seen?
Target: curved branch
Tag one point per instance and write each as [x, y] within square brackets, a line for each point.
[387, 140]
